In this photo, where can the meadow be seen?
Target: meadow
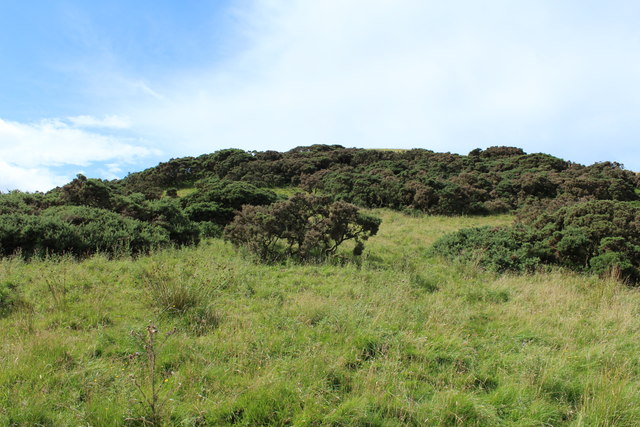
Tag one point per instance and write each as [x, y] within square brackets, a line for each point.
[398, 337]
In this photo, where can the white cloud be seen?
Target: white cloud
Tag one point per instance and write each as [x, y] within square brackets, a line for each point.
[54, 143]
[29, 151]
[109, 122]
[111, 171]
[28, 179]
[411, 73]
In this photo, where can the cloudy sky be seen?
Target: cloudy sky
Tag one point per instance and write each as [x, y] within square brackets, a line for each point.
[106, 88]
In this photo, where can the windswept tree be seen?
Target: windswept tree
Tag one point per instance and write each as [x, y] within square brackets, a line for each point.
[305, 227]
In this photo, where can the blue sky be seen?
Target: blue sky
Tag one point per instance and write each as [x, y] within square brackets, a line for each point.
[106, 88]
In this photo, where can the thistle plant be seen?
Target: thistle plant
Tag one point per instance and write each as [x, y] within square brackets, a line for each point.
[150, 382]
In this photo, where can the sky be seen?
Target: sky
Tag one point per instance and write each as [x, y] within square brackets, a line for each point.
[108, 88]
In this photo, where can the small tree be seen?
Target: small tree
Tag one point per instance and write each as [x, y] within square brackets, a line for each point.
[304, 227]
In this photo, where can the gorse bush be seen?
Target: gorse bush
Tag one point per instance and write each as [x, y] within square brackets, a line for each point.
[17, 202]
[78, 231]
[493, 248]
[602, 237]
[216, 201]
[168, 214]
[88, 192]
[498, 179]
[91, 215]
[304, 227]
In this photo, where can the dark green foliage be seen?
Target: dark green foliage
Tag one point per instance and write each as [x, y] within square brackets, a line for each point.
[17, 202]
[499, 152]
[76, 230]
[495, 180]
[92, 215]
[168, 214]
[224, 161]
[87, 192]
[208, 211]
[232, 194]
[498, 179]
[185, 171]
[600, 236]
[83, 230]
[304, 227]
[216, 201]
[174, 173]
[494, 248]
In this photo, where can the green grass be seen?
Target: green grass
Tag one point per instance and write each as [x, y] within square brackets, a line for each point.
[186, 191]
[398, 339]
[286, 192]
[397, 150]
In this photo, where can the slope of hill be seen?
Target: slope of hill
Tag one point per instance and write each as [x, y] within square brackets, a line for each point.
[394, 335]
[399, 338]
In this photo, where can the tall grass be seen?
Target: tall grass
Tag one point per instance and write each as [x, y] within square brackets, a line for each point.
[396, 339]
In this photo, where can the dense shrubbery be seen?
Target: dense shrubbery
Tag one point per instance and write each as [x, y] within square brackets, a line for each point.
[17, 202]
[305, 227]
[92, 215]
[216, 201]
[600, 236]
[76, 230]
[498, 179]
[597, 236]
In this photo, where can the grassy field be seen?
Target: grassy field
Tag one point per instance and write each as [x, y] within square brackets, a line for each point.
[400, 338]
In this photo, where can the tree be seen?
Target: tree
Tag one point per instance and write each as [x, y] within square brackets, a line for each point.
[305, 227]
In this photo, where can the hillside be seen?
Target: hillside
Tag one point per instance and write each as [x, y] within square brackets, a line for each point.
[400, 338]
[325, 286]
[182, 201]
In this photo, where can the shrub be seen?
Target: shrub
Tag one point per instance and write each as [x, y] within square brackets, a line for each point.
[217, 200]
[600, 236]
[17, 202]
[76, 230]
[304, 227]
[493, 248]
[168, 214]
[88, 192]
[497, 179]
